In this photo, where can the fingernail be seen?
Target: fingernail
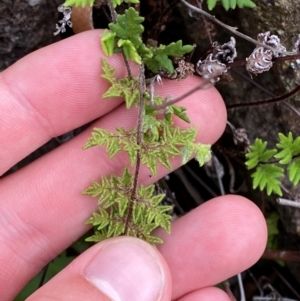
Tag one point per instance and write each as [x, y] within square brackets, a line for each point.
[127, 269]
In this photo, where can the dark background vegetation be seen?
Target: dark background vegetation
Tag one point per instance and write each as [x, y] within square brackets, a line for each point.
[27, 25]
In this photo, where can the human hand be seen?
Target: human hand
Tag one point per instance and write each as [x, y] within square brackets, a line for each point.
[57, 89]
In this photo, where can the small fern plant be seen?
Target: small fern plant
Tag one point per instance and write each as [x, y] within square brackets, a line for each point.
[271, 164]
[125, 206]
[231, 4]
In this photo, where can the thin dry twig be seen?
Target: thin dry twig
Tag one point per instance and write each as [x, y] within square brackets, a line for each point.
[264, 102]
[232, 29]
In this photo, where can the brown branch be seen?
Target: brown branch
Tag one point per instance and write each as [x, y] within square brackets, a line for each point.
[264, 102]
[281, 255]
[172, 101]
[291, 107]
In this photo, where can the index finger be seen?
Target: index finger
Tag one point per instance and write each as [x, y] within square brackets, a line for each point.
[51, 92]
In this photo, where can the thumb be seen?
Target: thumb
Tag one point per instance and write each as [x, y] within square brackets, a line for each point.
[118, 269]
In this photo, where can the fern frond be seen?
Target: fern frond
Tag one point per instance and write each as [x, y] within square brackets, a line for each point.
[126, 88]
[266, 176]
[294, 171]
[231, 4]
[289, 147]
[258, 153]
[128, 27]
[115, 195]
[160, 58]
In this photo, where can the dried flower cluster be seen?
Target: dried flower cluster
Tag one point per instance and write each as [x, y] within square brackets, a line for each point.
[66, 20]
[215, 63]
[183, 70]
[261, 59]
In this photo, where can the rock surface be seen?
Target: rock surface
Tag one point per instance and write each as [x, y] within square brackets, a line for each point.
[26, 26]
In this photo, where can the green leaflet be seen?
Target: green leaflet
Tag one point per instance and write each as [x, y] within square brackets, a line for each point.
[129, 27]
[160, 58]
[231, 4]
[119, 2]
[267, 176]
[115, 194]
[82, 3]
[289, 147]
[125, 87]
[108, 42]
[130, 51]
[294, 172]
[211, 4]
[259, 153]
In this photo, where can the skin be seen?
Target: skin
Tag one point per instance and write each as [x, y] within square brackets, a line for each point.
[42, 211]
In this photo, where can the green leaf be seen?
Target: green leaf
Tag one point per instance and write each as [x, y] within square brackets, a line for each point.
[132, 1]
[98, 236]
[245, 3]
[179, 112]
[289, 148]
[116, 2]
[211, 4]
[76, 3]
[108, 72]
[112, 140]
[128, 27]
[171, 141]
[108, 41]
[101, 219]
[203, 153]
[161, 54]
[225, 4]
[153, 240]
[258, 153]
[126, 88]
[152, 125]
[119, 2]
[266, 176]
[294, 171]
[176, 49]
[187, 152]
[231, 4]
[159, 61]
[130, 51]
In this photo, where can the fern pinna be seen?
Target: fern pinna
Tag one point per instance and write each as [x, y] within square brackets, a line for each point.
[125, 207]
[231, 4]
[269, 164]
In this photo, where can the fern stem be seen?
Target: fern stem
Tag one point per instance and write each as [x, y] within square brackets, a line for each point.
[113, 15]
[231, 29]
[139, 139]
